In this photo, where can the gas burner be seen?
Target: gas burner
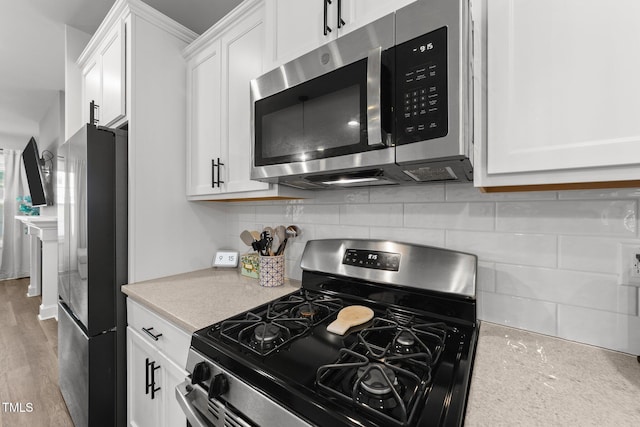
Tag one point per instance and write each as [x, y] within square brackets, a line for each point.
[307, 310]
[377, 379]
[382, 388]
[266, 333]
[304, 306]
[404, 343]
[388, 339]
[260, 336]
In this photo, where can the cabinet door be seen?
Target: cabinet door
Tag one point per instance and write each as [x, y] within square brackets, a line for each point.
[172, 375]
[112, 55]
[356, 13]
[203, 128]
[142, 410]
[91, 88]
[243, 56]
[562, 86]
[298, 27]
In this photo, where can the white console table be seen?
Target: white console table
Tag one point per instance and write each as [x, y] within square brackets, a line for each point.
[43, 271]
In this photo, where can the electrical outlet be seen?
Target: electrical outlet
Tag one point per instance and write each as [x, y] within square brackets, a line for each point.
[629, 265]
[635, 266]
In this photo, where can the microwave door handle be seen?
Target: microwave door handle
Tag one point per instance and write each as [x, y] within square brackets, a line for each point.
[374, 79]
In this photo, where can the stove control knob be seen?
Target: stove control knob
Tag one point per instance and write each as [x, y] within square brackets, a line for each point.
[219, 386]
[201, 373]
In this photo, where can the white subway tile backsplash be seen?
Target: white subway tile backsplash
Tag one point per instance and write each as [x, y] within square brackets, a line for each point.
[316, 214]
[453, 216]
[410, 235]
[548, 261]
[602, 328]
[594, 217]
[586, 253]
[513, 248]
[605, 193]
[273, 215]
[592, 290]
[486, 277]
[354, 195]
[411, 194]
[533, 315]
[457, 192]
[341, 232]
[389, 215]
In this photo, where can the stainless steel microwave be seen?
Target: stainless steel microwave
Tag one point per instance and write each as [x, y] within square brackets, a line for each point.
[389, 103]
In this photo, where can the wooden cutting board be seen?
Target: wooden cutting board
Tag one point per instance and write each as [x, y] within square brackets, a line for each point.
[349, 317]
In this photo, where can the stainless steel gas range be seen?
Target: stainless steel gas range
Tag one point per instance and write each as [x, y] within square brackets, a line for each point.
[410, 365]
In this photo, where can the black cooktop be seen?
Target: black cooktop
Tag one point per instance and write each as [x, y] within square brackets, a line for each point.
[409, 366]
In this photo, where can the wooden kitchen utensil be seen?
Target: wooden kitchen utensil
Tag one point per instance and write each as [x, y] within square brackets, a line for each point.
[349, 317]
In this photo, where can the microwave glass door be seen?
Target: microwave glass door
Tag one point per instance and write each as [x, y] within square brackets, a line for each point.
[320, 118]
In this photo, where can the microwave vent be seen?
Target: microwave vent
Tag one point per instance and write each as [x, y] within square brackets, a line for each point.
[431, 173]
[303, 185]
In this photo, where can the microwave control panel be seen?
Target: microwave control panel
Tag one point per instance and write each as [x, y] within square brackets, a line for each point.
[421, 88]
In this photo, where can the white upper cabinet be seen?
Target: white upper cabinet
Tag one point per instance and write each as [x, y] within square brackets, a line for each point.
[220, 66]
[243, 57]
[563, 93]
[112, 56]
[104, 79]
[360, 12]
[299, 26]
[203, 126]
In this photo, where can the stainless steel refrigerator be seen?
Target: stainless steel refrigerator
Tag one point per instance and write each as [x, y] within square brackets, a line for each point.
[92, 268]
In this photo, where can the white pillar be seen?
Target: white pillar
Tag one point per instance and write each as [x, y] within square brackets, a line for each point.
[44, 272]
[35, 283]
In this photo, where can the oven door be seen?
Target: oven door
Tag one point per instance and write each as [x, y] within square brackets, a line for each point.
[327, 110]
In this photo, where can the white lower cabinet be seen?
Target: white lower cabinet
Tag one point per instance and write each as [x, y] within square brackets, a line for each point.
[152, 374]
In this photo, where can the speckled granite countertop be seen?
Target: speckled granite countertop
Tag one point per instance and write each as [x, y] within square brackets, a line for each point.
[201, 298]
[526, 379]
[519, 378]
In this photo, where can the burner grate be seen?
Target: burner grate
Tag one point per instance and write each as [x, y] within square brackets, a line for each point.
[379, 387]
[263, 336]
[388, 368]
[316, 308]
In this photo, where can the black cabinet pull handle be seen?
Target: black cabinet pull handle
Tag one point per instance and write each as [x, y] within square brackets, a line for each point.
[341, 22]
[93, 108]
[147, 385]
[153, 380]
[148, 332]
[219, 164]
[327, 29]
[213, 173]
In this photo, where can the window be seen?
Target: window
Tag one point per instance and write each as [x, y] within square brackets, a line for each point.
[1, 197]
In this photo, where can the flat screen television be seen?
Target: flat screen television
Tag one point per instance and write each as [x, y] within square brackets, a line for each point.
[38, 177]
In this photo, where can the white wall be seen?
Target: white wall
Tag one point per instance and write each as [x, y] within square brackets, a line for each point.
[75, 42]
[50, 137]
[547, 260]
[167, 234]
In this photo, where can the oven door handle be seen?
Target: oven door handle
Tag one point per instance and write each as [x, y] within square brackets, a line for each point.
[184, 400]
[374, 79]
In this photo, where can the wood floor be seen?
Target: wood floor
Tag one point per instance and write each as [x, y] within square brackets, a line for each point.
[28, 362]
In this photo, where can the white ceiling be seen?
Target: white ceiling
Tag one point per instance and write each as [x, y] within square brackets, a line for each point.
[32, 48]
